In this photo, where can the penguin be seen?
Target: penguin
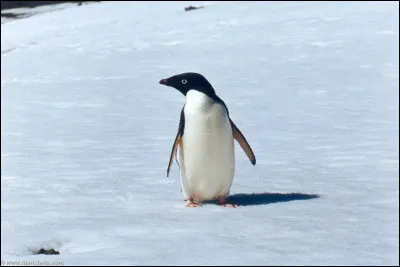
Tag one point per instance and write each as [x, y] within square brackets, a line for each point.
[205, 140]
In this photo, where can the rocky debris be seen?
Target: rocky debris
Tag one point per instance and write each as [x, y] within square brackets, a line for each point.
[189, 8]
[13, 15]
[32, 4]
[46, 251]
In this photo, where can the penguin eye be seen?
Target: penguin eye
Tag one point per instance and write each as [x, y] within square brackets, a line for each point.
[184, 81]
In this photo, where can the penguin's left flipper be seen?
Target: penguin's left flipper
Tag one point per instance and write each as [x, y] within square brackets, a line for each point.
[243, 143]
[178, 139]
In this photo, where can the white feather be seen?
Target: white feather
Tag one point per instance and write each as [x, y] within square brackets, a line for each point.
[208, 158]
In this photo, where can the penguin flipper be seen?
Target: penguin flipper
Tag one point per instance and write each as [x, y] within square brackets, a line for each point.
[243, 143]
[178, 139]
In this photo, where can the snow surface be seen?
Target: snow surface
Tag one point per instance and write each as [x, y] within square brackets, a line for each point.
[86, 132]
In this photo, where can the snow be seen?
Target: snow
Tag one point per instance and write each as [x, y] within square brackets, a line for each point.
[86, 132]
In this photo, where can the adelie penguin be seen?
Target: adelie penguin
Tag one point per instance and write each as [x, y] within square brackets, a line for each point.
[205, 140]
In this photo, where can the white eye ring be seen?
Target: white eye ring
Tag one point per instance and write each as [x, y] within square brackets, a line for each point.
[184, 81]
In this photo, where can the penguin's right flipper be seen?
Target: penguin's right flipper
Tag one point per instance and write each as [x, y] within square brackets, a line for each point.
[178, 139]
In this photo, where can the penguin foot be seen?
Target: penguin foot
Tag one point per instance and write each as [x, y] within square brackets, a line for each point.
[227, 205]
[222, 202]
[191, 203]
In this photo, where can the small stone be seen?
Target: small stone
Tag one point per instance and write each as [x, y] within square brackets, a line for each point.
[47, 251]
[188, 8]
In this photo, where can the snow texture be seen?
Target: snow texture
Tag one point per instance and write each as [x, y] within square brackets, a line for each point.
[86, 133]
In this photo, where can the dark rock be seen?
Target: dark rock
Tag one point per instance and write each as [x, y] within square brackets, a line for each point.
[189, 8]
[32, 4]
[47, 251]
[12, 15]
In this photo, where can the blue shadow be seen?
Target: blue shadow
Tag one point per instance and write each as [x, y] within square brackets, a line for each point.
[267, 198]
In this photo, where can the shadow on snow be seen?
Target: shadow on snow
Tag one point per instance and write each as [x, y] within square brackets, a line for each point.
[267, 198]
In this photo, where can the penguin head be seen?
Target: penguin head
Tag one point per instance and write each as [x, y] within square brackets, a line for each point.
[189, 81]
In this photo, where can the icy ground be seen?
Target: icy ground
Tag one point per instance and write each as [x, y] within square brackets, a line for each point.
[86, 132]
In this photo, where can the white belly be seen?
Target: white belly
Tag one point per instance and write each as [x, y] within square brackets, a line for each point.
[207, 159]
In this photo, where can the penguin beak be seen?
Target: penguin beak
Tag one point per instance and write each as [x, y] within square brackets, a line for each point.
[163, 81]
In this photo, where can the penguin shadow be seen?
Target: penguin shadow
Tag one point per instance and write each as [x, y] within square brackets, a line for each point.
[267, 198]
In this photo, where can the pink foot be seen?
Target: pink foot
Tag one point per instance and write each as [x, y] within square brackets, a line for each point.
[191, 203]
[222, 202]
